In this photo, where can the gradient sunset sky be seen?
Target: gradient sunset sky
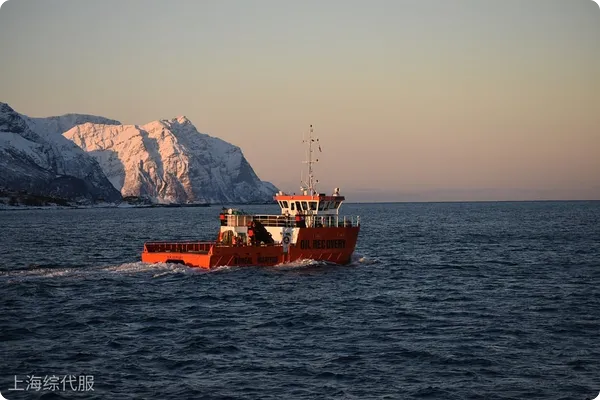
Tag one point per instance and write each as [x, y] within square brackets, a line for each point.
[412, 100]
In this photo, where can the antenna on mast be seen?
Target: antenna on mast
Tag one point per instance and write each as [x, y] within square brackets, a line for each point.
[310, 186]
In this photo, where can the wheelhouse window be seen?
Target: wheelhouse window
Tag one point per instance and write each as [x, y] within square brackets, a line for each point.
[292, 206]
[321, 205]
[304, 206]
[285, 204]
[337, 204]
[313, 205]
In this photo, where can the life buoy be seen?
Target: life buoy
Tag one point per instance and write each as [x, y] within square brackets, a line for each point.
[286, 239]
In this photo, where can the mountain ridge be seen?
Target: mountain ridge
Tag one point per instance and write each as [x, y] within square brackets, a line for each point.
[170, 161]
[82, 156]
[42, 163]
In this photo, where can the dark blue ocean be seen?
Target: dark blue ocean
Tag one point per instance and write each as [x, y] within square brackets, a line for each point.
[443, 301]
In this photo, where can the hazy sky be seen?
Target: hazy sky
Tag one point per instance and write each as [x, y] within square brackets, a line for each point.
[412, 100]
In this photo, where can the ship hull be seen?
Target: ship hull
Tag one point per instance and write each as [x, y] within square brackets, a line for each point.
[331, 244]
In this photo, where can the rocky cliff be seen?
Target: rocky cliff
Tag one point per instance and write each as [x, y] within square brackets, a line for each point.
[169, 161]
[36, 158]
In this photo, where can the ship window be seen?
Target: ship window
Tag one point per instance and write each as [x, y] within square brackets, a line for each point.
[298, 208]
[292, 206]
[321, 205]
[337, 204]
[304, 206]
[285, 204]
[313, 205]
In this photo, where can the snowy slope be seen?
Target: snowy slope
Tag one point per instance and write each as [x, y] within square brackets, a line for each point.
[169, 161]
[34, 156]
[53, 127]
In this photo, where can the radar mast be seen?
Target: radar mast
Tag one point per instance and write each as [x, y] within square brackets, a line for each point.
[309, 186]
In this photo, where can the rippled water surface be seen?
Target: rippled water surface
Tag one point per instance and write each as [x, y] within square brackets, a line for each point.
[442, 301]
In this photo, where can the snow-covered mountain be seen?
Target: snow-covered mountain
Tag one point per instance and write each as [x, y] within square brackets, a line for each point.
[35, 157]
[56, 126]
[169, 161]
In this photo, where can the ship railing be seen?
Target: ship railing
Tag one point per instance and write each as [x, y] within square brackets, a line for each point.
[246, 244]
[178, 247]
[290, 221]
[329, 221]
[266, 220]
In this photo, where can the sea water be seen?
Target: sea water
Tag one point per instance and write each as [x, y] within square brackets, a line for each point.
[442, 301]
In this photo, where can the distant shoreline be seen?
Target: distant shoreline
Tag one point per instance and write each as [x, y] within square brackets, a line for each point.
[467, 201]
[4, 207]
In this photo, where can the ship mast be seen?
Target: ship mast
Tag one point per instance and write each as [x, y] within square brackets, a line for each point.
[309, 186]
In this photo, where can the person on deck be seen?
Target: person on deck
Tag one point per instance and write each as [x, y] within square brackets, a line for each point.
[300, 223]
[251, 236]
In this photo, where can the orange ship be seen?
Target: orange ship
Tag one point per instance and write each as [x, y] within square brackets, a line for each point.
[309, 227]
